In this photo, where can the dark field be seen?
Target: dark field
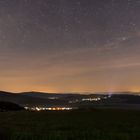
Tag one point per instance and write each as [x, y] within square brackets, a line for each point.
[72, 125]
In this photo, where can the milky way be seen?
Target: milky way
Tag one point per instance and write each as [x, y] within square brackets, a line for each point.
[70, 45]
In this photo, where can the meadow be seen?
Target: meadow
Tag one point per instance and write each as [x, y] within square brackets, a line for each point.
[98, 124]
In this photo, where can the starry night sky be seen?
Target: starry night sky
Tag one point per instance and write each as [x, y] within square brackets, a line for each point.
[70, 45]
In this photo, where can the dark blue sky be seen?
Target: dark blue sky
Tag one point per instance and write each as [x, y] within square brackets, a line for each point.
[69, 45]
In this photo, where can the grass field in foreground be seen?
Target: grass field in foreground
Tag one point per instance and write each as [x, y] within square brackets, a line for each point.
[99, 124]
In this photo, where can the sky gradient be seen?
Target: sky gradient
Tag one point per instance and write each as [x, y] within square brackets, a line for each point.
[70, 45]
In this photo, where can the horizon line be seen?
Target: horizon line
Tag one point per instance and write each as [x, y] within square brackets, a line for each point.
[75, 92]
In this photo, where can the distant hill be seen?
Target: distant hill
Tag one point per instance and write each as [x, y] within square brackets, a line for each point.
[52, 95]
[26, 99]
[125, 99]
[8, 106]
[73, 100]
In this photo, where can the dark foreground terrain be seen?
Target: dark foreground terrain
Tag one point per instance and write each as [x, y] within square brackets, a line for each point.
[99, 124]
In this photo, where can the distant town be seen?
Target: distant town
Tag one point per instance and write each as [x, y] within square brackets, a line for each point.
[37, 101]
